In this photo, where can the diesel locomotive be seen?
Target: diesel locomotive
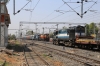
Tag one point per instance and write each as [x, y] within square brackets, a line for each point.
[75, 36]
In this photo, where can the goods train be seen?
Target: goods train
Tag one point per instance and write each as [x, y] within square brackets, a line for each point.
[40, 37]
[28, 37]
[44, 37]
[75, 36]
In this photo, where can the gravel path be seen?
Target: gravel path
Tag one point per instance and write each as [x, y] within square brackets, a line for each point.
[91, 54]
[56, 60]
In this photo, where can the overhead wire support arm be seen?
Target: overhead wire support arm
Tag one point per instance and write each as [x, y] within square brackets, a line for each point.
[21, 8]
[90, 7]
[14, 7]
[82, 8]
[71, 8]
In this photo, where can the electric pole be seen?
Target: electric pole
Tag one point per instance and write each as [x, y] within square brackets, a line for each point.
[82, 8]
[43, 30]
[14, 6]
[0, 22]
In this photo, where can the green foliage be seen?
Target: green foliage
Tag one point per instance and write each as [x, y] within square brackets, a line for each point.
[11, 37]
[91, 29]
[30, 33]
[64, 27]
[87, 31]
[51, 35]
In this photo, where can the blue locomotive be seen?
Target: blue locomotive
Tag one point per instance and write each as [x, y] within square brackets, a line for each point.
[68, 35]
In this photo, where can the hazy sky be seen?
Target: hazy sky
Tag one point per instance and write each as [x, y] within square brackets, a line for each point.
[46, 11]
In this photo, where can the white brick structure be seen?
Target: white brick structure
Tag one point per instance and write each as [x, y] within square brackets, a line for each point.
[5, 21]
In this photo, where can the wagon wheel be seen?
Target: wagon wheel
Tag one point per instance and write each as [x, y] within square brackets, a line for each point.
[98, 47]
[57, 42]
[54, 42]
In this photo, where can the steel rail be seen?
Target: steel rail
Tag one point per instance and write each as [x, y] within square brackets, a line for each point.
[33, 51]
[61, 54]
[40, 57]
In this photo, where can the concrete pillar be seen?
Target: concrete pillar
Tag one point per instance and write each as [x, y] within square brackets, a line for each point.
[6, 35]
[2, 35]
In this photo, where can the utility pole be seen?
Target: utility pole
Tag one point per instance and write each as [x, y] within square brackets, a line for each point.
[36, 28]
[94, 28]
[49, 30]
[43, 30]
[57, 26]
[14, 6]
[4, 21]
[0, 22]
[16, 34]
[82, 8]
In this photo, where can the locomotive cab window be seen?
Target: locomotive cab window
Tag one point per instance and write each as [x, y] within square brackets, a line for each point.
[68, 31]
[62, 31]
[56, 32]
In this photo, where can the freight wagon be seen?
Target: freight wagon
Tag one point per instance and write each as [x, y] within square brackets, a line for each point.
[44, 37]
[75, 36]
[28, 37]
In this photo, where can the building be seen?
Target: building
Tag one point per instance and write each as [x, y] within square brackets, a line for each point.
[4, 21]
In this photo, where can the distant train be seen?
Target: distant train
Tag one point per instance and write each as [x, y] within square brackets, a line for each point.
[40, 37]
[44, 37]
[76, 36]
[28, 37]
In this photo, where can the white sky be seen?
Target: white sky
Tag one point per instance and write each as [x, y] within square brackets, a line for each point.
[45, 12]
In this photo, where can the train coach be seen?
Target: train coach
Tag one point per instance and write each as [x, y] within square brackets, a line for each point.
[44, 37]
[75, 36]
[28, 37]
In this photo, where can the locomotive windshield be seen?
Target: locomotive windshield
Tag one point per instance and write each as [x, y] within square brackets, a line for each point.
[55, 32]
[63, 31]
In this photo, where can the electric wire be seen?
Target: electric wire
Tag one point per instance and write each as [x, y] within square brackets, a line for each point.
[23, 7]
[30, 16]
[64, 13]
[34, 9]
[51, 13]
[77, 7]
[88, 18]
[30, 11]
[36, 4]
[54, 17]
[90, 7]
[71, 7]
[83, 18]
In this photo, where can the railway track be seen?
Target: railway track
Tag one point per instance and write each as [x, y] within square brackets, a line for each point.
[33, 58]
[81, 59]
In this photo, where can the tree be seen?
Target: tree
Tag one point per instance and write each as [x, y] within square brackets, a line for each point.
[30, 33]
[51, 35]
[87, 30]
[93, 29]
[64, 27]
[11, 37]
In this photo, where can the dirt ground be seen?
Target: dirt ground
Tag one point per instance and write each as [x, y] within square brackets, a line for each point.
[14, 59]
[11, 60]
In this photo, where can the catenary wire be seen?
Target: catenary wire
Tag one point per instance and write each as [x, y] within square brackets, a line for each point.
[51, 13]
[74, 8]
[64, 13]
[36, 4]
